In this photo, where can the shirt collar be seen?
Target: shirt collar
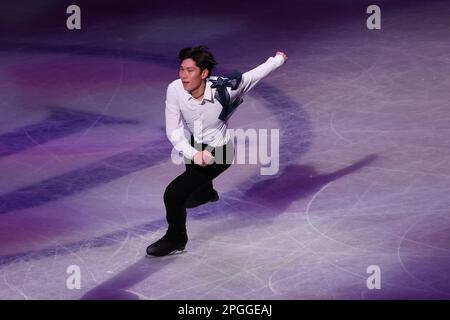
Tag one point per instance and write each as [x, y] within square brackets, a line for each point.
[209, 92]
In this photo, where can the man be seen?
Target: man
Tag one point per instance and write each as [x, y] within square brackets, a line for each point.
[204, 103]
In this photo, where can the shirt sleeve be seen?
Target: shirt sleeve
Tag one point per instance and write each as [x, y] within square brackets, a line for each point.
[175, 126]
[252, 77]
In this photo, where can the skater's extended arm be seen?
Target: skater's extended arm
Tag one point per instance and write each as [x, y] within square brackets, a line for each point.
[252, 77]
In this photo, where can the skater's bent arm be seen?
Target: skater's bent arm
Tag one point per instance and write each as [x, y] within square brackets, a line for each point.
[252, 77]
[175, 126]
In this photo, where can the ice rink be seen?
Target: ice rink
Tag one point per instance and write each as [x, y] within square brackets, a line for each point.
[363, 173]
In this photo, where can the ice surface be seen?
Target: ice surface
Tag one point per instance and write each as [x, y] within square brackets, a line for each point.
[364, 172]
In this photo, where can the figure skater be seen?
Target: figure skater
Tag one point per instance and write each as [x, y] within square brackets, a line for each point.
[201, 104]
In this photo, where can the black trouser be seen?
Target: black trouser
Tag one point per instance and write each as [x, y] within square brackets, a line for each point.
[196, 182]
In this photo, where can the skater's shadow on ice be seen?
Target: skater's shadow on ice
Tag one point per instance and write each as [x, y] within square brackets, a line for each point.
[118, 287]
[266, 199]
[274, 195]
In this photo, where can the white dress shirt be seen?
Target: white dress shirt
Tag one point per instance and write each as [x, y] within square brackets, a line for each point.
[202, 117]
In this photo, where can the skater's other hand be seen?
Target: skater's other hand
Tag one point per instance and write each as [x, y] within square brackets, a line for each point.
[198, 158]
[208, 158]
[203, 158]
[281, 53]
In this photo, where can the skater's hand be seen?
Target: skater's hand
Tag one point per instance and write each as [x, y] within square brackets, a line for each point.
[203, 158]
[285, 57]
[208, 158]
[198, 158]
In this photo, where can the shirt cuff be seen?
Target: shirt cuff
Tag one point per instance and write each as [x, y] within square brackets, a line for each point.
[279, 59]
[189, 152]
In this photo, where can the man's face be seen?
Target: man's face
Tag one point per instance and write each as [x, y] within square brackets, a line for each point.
[190, 75]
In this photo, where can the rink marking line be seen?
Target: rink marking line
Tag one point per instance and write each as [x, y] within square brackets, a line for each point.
[335, 131]
[14, 288]
[308, 206]
[402, 265]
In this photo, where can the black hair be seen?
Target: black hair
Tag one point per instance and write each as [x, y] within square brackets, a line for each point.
[202, 57]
